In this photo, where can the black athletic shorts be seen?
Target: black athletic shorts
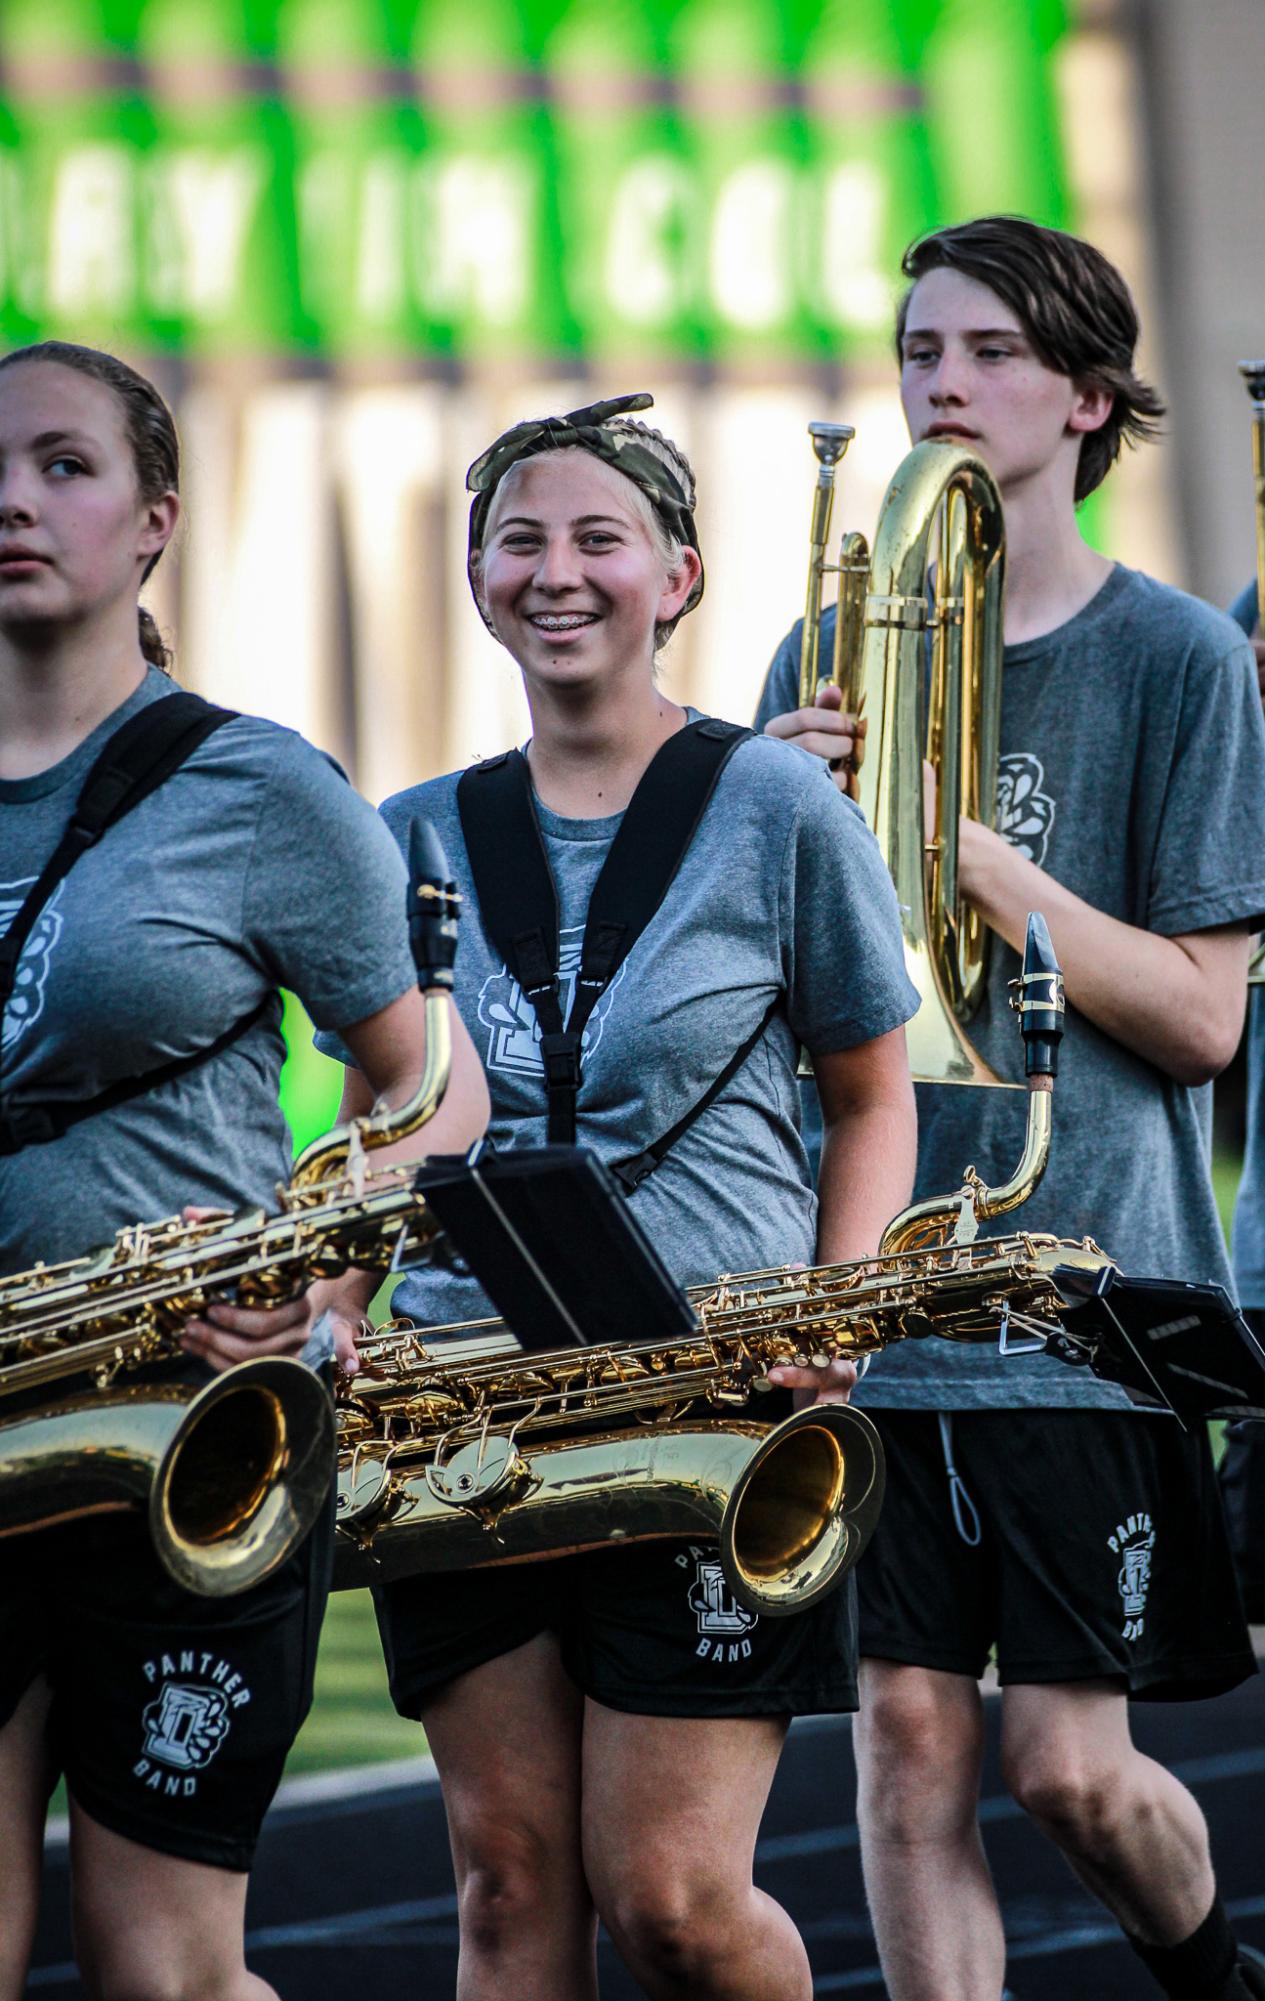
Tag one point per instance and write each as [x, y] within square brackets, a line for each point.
[1079, 1544]
[172, 1715]
[651, 1629]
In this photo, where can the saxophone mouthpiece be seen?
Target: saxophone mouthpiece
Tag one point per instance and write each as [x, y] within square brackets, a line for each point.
[1038, 1000]
[1253, 373]
[433, 907]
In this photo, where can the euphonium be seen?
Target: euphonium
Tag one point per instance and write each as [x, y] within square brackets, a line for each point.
[1253, 373]
[234, 1473]
[475, 1453]
[941, 493]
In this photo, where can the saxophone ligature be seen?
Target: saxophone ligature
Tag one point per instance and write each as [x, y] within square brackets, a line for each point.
[232, 1475]
[942, 501]
[456, 1449]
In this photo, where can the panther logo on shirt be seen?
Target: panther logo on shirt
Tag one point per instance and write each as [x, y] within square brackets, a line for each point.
[514, 1032]
[26, 1002]
[1133, 1542]
[188, 1720]
[1025, 813]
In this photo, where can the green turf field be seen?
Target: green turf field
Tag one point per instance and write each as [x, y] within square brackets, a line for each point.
[352, 1721]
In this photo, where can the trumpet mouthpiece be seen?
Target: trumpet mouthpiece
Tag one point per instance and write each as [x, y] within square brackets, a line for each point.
[831, 441]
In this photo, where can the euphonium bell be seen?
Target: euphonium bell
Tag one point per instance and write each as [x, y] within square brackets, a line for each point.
[940, 703]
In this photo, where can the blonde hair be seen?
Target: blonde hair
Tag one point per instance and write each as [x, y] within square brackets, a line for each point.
[665, 544]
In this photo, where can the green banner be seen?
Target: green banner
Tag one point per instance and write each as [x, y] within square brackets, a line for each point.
[715, 180]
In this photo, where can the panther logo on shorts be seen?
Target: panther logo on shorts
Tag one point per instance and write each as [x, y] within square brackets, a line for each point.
[188, 1720]
[1133, 1542]
[26, 1002]
[723, 1624]
[514, 1041]
[1025, 813]
[186, 1726]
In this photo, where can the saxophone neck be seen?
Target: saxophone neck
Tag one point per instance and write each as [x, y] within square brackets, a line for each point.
[433, 906]
[1037, 998]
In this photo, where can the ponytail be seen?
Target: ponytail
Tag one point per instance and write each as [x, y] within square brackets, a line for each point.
[152, 646]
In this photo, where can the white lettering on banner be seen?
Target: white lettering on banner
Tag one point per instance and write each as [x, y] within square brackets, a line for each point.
[92, 230]
[473, 232]
[749, 261]
[456, 233]
[646, 251]
[379, 283]
[206, 202]
[856, 291]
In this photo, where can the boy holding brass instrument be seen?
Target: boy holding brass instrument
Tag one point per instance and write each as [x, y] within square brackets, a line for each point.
[1033, 1512]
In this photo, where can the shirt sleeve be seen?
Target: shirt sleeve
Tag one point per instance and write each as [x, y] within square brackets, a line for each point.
[780, 692]
[1244, 610]
[326, 894]
[845, 972]
[1208, 864]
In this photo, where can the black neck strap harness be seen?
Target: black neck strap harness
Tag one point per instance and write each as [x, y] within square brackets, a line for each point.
[518, 903]
[134, 762]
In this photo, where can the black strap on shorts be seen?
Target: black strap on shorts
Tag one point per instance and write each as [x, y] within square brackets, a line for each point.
[133, 762]
[518, 902]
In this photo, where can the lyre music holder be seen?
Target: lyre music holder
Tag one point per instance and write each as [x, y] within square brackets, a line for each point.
[549, 1234]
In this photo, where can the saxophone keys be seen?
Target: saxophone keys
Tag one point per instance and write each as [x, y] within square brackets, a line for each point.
[483, 1471]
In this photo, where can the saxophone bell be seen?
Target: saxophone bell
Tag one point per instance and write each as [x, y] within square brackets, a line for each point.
[802, 1509]
[230, 1476]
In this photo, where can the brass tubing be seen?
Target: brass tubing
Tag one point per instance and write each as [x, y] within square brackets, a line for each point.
[230, 1474]
[830, 442]
[674, 1479]
[329, 1154]
[926, 1224]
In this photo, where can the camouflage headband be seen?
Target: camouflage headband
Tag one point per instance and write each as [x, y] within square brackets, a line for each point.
[590, 429]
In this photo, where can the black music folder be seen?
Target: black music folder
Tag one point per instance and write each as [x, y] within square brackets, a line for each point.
[1172, 1345]
[549, 1234]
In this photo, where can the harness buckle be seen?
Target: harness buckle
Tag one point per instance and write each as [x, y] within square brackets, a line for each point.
[561, 1054]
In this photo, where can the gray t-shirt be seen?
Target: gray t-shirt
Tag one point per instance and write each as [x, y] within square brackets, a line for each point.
[782, 891]
[255, 865]
[1133, 771]
[1249, 1209]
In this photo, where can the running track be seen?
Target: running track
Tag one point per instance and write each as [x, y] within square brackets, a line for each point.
[353, 1893]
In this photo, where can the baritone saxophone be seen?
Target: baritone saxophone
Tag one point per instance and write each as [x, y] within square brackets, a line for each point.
[231, 1475]
[457, 1450]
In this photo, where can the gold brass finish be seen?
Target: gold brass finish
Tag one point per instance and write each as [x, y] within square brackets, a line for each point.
[477, 1453]
[233, 1474]
[496, 1456]
[830, 442]
[941, 495]
[1253, 373]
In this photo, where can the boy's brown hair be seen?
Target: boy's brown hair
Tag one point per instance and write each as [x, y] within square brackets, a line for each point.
[1074, 307]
